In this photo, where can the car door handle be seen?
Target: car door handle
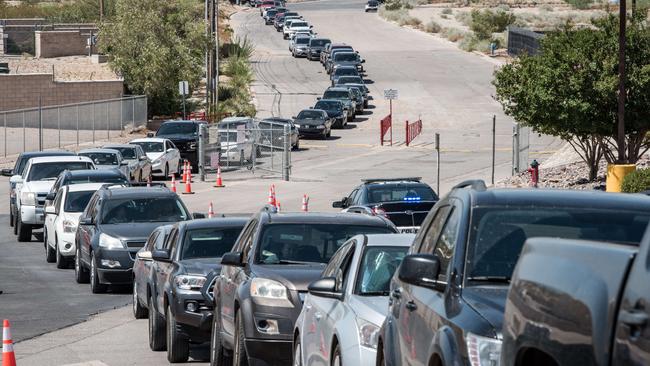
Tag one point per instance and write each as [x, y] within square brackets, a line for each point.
[397, 293]
[318, 316]
[411, 306]
[633, 318]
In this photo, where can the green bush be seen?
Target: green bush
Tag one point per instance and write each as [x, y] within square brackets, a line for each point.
[447, 11]
[464, 17]
[453, 34]
[579, 4]
[409, 20]
[637, 181]
[486, 22]
[546, 7]
[432, 27]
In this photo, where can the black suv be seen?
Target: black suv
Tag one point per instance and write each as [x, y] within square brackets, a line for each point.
[315, 47]
[404, 201]
[185, 135]
[447, 298]
[179, 271]
[263, 281]
[114, 226]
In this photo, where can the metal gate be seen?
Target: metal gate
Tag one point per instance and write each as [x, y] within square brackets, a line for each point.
[520, 148]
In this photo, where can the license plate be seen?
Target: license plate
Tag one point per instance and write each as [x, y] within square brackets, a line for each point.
[408, 230]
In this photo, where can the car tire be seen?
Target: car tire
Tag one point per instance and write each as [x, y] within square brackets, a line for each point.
[297, 353]
[329, 134]
[296, 147]
[139, 311]
[178, 346]
[166, 171]
[50, 254]
[11, 216]
[157, 341]
[24, 230]
[96, 287]
[61, 261]
[218, 355]
[240, 357]
[336, 356]
[80, 273]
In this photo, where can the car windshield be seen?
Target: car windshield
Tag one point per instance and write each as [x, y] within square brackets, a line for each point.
[498, 233]
[376, 269]
[95, 178]
[307, 243]
[50, 171]
[346, 71]
[310, 115]
[319, 42]
[342, 49]
[336, 94]
[271, 13]
[302, 40]
[229, 136]
[399, 193]
[127, 152]
[299, 24]
[356, 92]
[328, 106]
[100, 158]
[77, 201]
[177, 128]
[120, 211]
[209, 243]
[350, 80]
[373, 3]
[151, 146]
[345, 56]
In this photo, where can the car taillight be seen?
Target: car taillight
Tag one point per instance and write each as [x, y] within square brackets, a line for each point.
[378, 211]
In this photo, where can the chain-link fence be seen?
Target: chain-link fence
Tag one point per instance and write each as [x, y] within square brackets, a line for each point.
[248, 144]
[71, 124]
[520, 148]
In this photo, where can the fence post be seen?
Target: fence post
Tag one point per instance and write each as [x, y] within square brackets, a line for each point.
[287, 153]
[58, 120]
[24, 142]
[108, 123]
[437, 146]
[93, 123]
[408, 138]
[5, 123]
[201, 147]
[40, 125]
[515, 149]
[77, 125]
[494, 147]
[122, 117]
[133, 111]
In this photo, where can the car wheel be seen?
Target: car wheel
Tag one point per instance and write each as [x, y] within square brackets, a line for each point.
[241, 158]
[80, 273]
[178, 347]
[218, 355]
[157, 340]
[166, 172]
[139, 311]
[16, 224]
[24, 230]
[11, 216]
[329, 134]
[61, 261]
[296, 147]
[50, 254]
[381, 361]
[95, 286]
[240, 357]
[336, 356]
[297, 353]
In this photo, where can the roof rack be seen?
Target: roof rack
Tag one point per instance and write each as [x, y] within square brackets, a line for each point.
[405, 179]
[476, 184]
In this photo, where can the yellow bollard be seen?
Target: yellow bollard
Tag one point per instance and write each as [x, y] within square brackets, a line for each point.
[615, 175]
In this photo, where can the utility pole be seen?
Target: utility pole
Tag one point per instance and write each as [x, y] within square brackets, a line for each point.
[101, 9]
[215, 85]
[621, 83]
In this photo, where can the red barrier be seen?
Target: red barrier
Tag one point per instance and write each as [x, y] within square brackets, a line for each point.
[197, 116]
[386, 125]
[413, 130]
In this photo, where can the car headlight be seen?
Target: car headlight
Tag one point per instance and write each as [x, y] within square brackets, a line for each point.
[320, 127]
[189, 282]
[262, 287]
[28, 198]
[483, 351]
[69, 226]
[109, 242]
[297, 126]
[368, 333]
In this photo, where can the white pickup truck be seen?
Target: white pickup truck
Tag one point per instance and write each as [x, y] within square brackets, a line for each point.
[32, 188]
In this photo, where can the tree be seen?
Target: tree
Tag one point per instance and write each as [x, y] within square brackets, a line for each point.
[155, 44]
[569, 89]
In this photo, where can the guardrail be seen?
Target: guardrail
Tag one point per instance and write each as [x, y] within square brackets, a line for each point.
[386, 125]
[413, 130]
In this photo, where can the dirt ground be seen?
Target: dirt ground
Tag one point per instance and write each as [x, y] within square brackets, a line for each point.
[68, 68]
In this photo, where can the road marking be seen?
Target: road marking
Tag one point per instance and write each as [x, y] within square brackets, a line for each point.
[354, 145]
[314, 146]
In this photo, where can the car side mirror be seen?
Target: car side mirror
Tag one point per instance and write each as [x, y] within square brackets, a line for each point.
[145, 254]
[343, 203]
[318, 98]
[150, 134]
[198, 215]
[124, 163]
[85, 220]
[143, 158]
[50, 209]
[363, 61]
[325, 287]
[170, 149]
[311, 26]
[161, 255]
[50, 196]
[16, 179]
[420, 270]
[7, 172]
[294, 117]
[232, 259]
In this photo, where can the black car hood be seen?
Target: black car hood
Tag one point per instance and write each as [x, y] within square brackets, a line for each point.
[131, 231]
[201, 266]
[309, 122]
[294, 277]
[175, 138]
[489, 302]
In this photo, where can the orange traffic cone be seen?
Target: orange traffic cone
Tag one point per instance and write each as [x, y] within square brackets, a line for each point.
[189, 172]
[188, 188]
[275, 198]
[305, 203]
[210, 211]
[271, 200]
[219, 182]
[278, 207]
[185, 172]
[8, 356]
[173, 184]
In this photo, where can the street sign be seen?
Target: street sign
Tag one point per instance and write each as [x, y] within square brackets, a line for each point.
[390, 94]
[183, 88]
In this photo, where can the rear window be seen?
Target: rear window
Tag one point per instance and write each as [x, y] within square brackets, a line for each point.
[50, 171]
[345, 56]
[150, 146]
[159, 209]
[209, 243]
[329, 105]
[350, 80]
[299, 24]
[77, 201]
[336, 94]
[177, 128]
[101, 158]
[346, 71]
[127, 152]
[319, 42]
[302, 40]
[97, 179]
[400, 193]
[310, 115]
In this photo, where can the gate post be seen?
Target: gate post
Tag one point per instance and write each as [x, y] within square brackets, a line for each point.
[201, 147]
[286, 168]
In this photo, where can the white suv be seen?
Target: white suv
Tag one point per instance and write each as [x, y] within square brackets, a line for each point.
[297, 26]
[32, 188]
[62, 219]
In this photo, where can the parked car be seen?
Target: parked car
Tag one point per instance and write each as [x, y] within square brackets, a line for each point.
[330, 57]
[32, 188]
[114, 226]
[349, 79]
[308, 34]
[69, 177]
[329, 48]
[335, 109]
[586, 306]
[449, 294]
[357, 97]
[180, 269]
[238, 137]
[344, 95]
[296, 26]
[372, 5]
[315, 47]
[278, 22]
[139, 165]
[344, 310]
[269, 15]
[340, 59]
[314, 123]
[62, 219]
[106, 159]
[185, 136]
[272, 132]
[266, 4]
[298, 46]
[343, 71]
[163, 154]
[362, 87]
[263, 281]
[142, 265]
[19, 166]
